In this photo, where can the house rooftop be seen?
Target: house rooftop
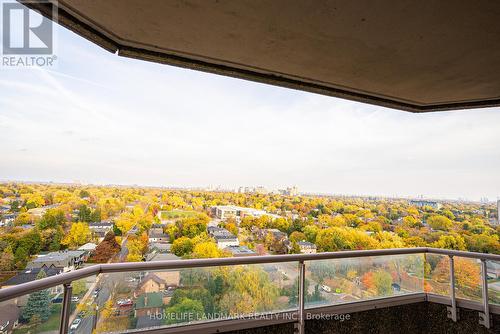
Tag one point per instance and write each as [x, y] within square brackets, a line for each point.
[306, 244]
[149, 300]
[88, 246]
[58, 256]
[157, 256]
[30, 274]
[240, 250]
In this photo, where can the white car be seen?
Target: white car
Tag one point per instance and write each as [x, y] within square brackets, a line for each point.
[75, 299]
[75, 324]
[124, 301]
[326, 288]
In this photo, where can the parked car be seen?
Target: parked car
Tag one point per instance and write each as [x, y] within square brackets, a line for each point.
[125, 302]
[326, 288]
[95, 293]
[57, 300]
[75, 299]
[75, 323]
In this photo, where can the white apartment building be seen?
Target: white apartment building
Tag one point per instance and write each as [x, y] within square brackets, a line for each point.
[224, 212]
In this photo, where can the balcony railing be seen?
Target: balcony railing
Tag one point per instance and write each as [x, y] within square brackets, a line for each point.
[278, 288]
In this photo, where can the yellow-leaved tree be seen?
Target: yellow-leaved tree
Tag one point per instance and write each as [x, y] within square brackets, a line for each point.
[78, 235]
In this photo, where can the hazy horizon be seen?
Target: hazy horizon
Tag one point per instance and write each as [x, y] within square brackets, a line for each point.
[103, 119]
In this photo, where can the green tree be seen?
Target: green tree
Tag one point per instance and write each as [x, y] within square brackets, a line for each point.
[84, 214]
[38, 304]
[21, 256]
[51, 219]
[15, 206]
[95, 216]
[193, 308]
[382, 281]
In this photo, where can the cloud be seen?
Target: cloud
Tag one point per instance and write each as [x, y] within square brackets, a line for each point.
[102, 118]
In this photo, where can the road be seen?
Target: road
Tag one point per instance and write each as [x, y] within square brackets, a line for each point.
[106, 283]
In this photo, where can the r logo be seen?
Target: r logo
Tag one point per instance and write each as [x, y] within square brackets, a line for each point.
[25, 31]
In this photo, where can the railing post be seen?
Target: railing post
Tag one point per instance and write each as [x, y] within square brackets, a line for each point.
[66, 309]
[452, 311]
[302, 293]
[484, 317]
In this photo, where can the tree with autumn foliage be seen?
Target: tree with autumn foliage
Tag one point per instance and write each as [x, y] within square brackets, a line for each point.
[78, 235]
[106, 249]
[467, 274]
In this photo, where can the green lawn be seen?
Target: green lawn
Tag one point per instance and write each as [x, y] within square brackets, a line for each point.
[52, 324]
[178, 214]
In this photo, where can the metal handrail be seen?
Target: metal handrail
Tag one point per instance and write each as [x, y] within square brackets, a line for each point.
[67, 278]
[48, 282]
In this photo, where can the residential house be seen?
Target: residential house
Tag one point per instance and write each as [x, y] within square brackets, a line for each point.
[39, 212]
[161, 238]
[4, 208]
[8, 219]
[29, 275]
[239, 251]
[222, 237]
[148, 304]
[215, 231]
[307, 247]
[88, 248]
[100, 229]
[9, 315]
[156, 228]
[262, 233]
[171, 277]
[68, 260]
[151, 283]
[159, 247]
[155, 256]
[279, 242]
[103, 225]
[99, 235]
[226, 240]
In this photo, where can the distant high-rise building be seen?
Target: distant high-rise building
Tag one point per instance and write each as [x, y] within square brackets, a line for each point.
[289, 191]
[498, 212]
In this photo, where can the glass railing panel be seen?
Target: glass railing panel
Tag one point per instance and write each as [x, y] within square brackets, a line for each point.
[150, 299]
[493, 282]
[468, 278]
[437, 274]
[348, 280]
[84, 302]
[33, 313]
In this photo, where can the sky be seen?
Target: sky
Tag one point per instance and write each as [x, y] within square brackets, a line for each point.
[103, 119]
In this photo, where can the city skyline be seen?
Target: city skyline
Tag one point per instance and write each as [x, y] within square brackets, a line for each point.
[132, 122]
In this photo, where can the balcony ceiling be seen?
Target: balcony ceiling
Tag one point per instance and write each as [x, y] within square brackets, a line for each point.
[411, 55]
